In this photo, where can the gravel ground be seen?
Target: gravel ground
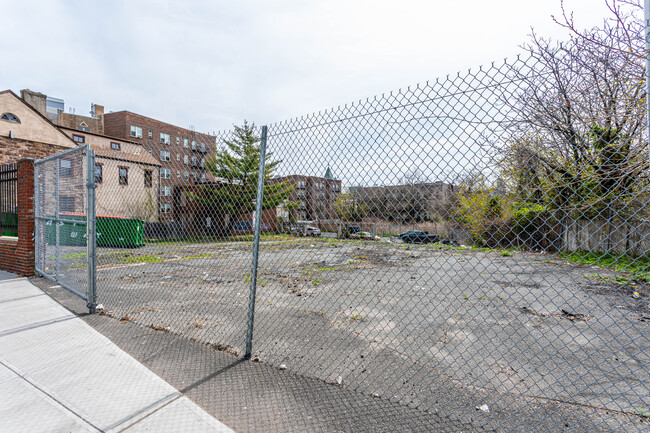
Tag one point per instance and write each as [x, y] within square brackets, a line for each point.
[445, 330]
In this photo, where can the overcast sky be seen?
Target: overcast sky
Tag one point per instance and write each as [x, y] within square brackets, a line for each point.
[213, 63]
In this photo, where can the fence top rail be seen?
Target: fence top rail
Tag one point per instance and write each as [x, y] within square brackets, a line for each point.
[61, 154]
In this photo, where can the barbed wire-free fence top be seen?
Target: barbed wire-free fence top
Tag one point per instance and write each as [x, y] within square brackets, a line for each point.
[476, 247]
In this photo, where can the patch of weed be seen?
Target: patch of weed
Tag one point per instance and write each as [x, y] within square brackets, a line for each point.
[637, 266]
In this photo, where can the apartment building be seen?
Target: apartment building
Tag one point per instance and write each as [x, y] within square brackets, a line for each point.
[127, 177]
[315, 195]
[408, 203]
[182, 152]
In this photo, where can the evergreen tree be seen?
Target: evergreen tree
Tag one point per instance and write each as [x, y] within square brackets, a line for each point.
[236, 171]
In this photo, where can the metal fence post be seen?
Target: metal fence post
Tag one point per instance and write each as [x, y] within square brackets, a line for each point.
[647, 69]
[256, 245]
[57, 229]
[91, 238]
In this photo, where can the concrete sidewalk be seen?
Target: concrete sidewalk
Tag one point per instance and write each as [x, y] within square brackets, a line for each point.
[57, 374]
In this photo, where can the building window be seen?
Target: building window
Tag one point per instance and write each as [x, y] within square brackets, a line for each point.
[203, 147]
[12, 118]
[178, 157]
[165, 208]
[194, 164]
[164, 155]
[148, 176]
[65, 167]
[193, 144]
[78, 138]
[185, 143]
[150, 151]
[178, 174]
[164, 138]
[99, 173]
[83, 126]
[115, 146]
[186, 159]
[202, 162]
[301, 184]
[178, 140]
[66, 203]
[164, 173]
[186, 176]
[202, 177]
[124, 175]
[165, 191]
[150, 134]
[136, 131]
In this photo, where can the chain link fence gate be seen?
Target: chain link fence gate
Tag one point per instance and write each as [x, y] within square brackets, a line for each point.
[64, 221]
[476, 247]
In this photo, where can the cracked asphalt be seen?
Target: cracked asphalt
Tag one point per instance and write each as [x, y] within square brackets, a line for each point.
[546, 345]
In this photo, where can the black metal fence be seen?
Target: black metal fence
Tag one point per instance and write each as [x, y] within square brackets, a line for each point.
[8, 200]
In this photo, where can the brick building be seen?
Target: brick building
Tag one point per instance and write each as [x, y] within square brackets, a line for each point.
[315, 195]
[54, 110]
[406, 203]
[181, 152]
[25, 132]
[93, 123]
[127, 176]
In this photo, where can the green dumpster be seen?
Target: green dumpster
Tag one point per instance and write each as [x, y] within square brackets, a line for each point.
[111, 231]
[119, 232]
[70, 233]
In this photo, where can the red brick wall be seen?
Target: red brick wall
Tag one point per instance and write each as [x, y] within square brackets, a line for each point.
[17, 254]
[268, 223]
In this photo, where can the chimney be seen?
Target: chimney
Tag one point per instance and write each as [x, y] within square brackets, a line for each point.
[99, 115]
[35, 99]
[99, 111]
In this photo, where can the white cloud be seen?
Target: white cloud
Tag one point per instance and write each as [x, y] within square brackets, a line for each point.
[214, 63]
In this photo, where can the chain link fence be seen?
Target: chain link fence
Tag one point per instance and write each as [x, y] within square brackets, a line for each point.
[475, 246]
[61, 219]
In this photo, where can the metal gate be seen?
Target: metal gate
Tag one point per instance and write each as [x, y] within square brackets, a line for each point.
[64, 214]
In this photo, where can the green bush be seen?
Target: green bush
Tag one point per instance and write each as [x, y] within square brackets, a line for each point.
[524, 216]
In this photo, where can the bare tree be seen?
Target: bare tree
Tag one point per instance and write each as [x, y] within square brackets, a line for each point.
[579, 115]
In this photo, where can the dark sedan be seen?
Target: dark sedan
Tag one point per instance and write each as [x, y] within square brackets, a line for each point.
[418, 237]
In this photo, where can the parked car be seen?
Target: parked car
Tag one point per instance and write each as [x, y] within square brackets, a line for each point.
[350, 230]
[312, 231]
[418, 237]
[305, 231]
[242, 227]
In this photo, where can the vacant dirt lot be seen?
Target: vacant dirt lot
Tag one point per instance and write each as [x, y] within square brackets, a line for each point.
[445, 329]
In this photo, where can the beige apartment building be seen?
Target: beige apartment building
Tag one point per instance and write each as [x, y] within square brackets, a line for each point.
[127, 177]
